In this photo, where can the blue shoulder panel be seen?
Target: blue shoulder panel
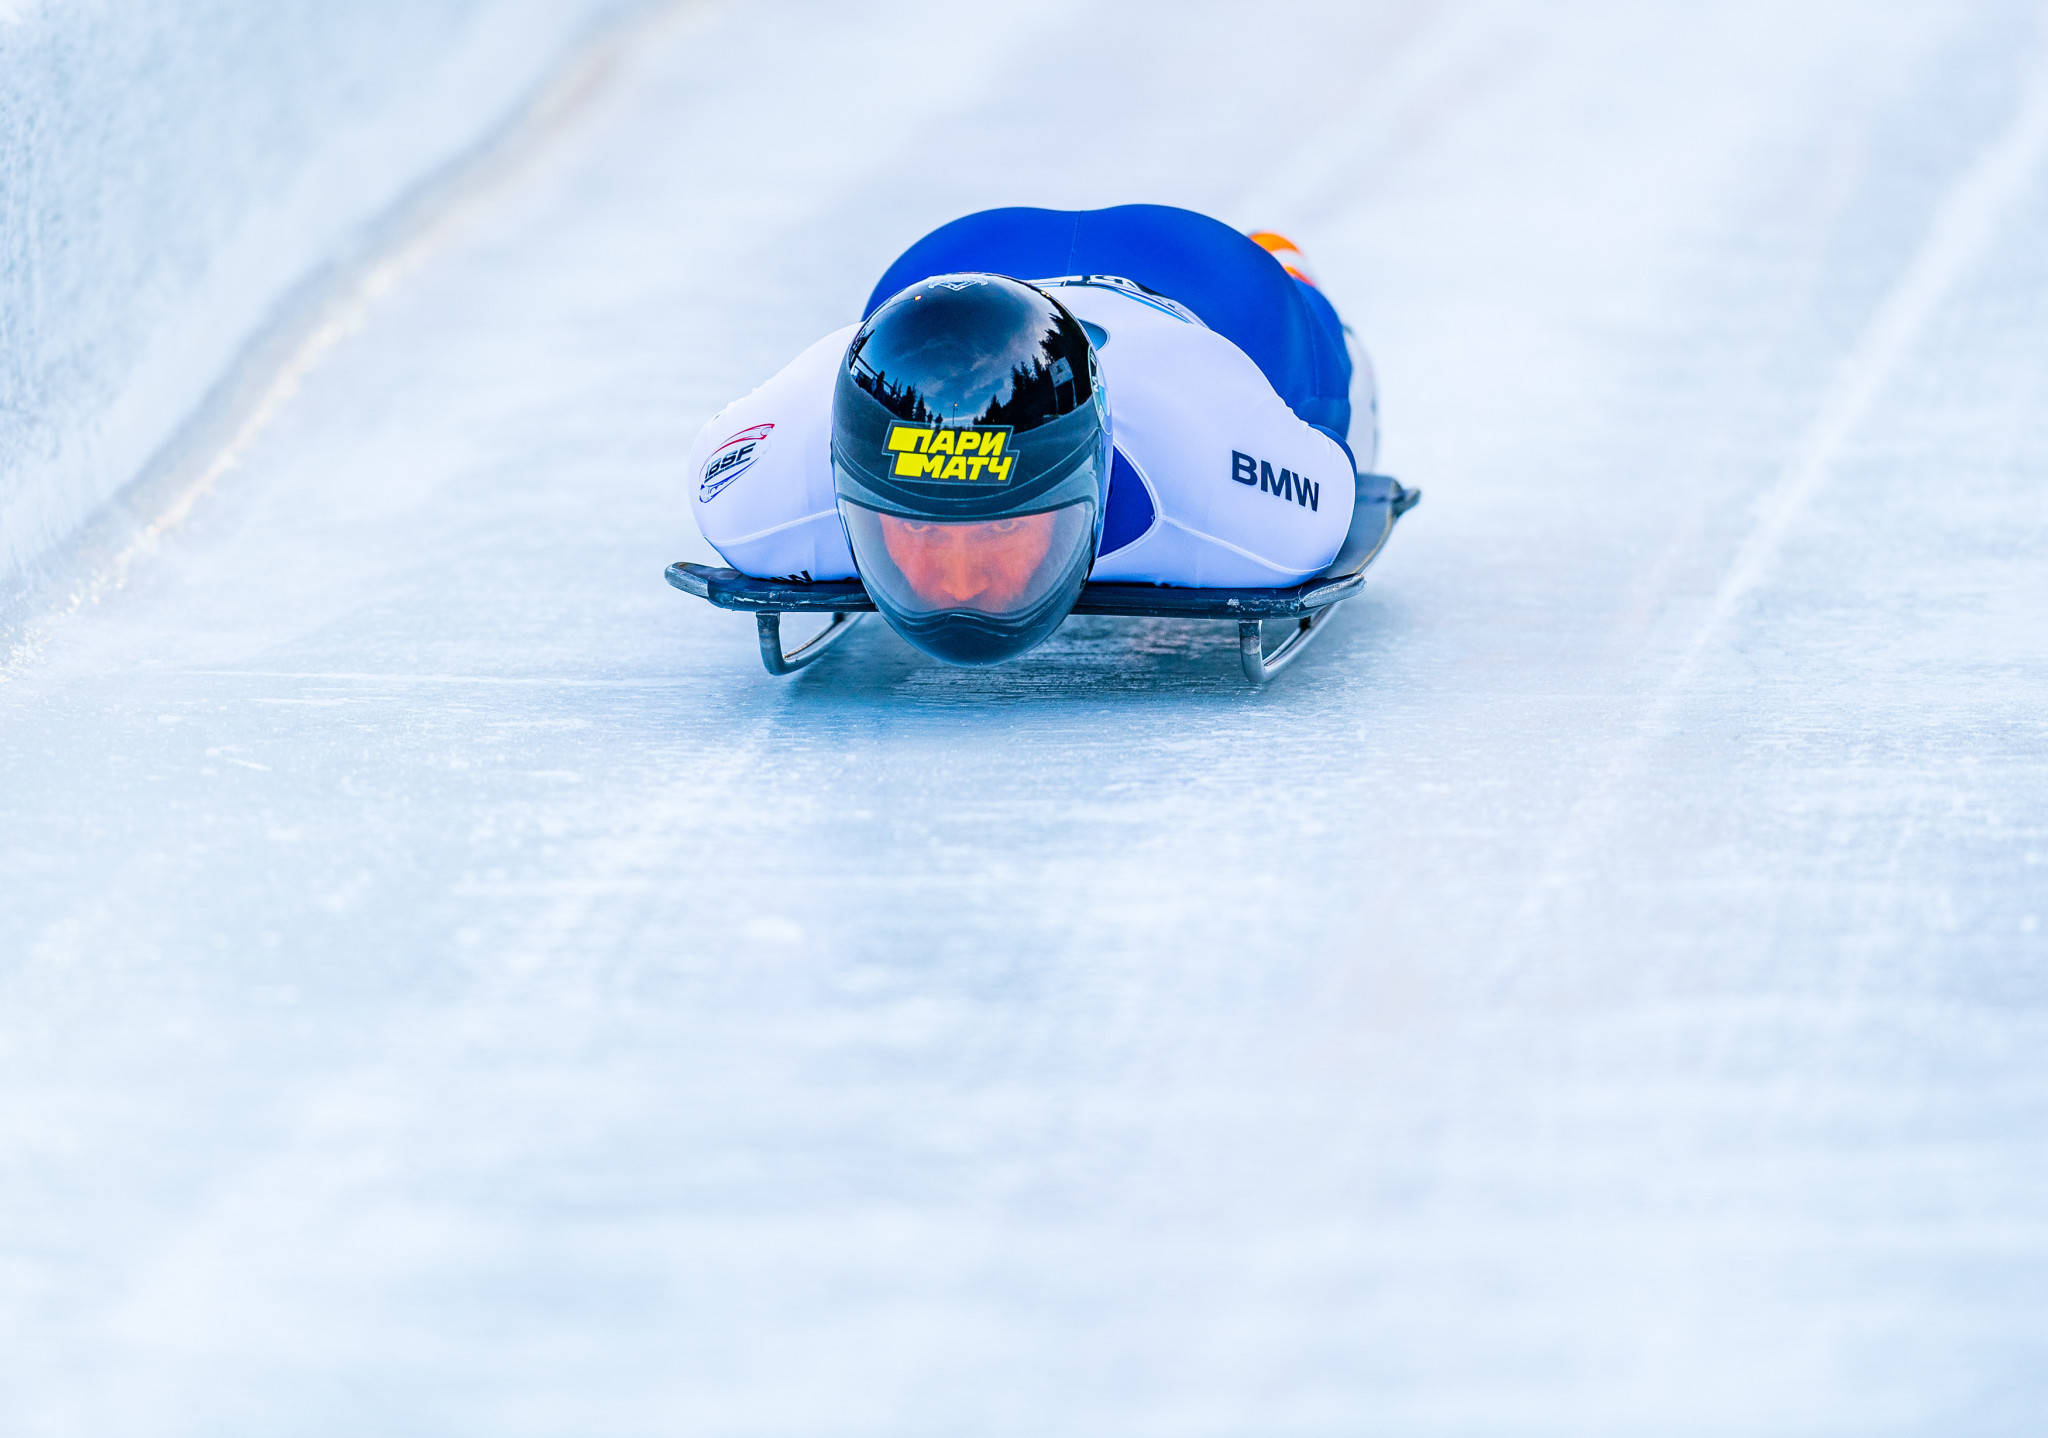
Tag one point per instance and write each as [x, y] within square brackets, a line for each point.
[1287, 328]
[1128, 511]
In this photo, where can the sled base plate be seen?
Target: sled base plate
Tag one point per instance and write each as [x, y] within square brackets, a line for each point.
[1380, 502]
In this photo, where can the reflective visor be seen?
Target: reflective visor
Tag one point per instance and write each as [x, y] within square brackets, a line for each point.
[1000, 567]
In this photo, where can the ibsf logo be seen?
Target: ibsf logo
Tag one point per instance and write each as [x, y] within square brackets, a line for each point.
[964, 454]
[730, 460]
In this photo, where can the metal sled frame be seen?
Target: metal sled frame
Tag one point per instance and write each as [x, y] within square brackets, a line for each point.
[1381, 501]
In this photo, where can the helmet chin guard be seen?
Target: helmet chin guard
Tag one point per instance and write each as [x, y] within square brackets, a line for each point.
[971, 459]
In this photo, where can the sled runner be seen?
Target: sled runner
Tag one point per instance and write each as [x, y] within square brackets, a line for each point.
[1304, 606]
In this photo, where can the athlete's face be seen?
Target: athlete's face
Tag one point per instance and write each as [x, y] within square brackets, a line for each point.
[986, 565]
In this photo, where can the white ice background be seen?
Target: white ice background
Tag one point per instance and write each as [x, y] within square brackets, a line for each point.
[446, 987]
[170, 170]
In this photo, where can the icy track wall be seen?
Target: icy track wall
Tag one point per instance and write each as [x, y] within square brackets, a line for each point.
[170, 169]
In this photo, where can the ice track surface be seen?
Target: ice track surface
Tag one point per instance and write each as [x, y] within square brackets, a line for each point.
[448, 988]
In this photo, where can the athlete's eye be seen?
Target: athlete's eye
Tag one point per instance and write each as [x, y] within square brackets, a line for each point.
[1002, 526]
[915, 526]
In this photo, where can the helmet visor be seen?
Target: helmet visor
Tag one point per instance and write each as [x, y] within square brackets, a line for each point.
[1003, 567]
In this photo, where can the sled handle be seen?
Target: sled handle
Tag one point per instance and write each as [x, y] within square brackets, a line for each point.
[769, 624]
[1259, 665]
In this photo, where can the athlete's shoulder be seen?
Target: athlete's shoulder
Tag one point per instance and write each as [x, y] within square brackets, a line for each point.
[1240, 490]
[760, 472]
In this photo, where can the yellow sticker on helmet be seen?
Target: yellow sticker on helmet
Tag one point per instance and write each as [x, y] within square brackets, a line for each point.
[957, 454]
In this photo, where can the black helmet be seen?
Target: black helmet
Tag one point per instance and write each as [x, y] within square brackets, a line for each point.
[971, 453]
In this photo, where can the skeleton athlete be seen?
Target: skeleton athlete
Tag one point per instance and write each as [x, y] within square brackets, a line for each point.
[1037, 398]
